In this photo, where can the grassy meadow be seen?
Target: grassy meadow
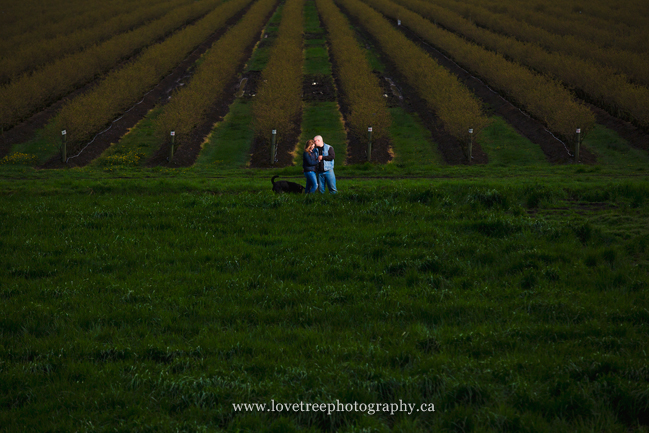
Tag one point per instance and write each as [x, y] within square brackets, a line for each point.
[512, 299]
[507, 297]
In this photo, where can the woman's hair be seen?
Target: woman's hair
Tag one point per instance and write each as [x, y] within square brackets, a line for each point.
[309, 145]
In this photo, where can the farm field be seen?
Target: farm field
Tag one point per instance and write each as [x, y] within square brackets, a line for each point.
[485, 259]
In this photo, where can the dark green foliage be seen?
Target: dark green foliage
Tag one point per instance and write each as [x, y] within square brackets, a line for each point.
[155, 304]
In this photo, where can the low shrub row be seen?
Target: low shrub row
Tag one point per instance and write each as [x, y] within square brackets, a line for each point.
[190, 105]
[31, 92]
[20, 19]
[602, 86]
[278, 104]
[457, 108]
[635, 65]
[542, 97]
[360, 88]
[87, 114]
[34, 55]
[622, 27]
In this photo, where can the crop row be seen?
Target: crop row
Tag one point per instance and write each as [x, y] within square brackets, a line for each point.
[85, 115]
[624, 28]
[190, 105]
[278, 104]
[360, 88]
[26, 16]
[601, 85]
[542, 97]
[633, 64]
[31, 92]
[35, 55]
[13, 37]
[456, 107]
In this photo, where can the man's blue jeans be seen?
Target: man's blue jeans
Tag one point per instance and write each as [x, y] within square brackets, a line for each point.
[329, 178]
[311, 182]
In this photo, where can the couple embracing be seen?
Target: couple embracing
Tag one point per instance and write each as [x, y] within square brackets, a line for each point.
[318, 165]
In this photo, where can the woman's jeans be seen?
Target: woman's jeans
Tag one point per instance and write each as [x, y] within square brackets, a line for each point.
[311, 182]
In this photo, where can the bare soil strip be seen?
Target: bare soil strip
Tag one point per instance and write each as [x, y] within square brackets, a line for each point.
[159, 95]
[555, 151]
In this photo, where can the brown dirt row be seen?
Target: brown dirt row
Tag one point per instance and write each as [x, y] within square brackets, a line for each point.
[26, 130]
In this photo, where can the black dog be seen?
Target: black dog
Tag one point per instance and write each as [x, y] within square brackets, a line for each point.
[286, 186]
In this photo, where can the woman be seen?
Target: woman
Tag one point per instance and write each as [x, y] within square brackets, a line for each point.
[309, 162]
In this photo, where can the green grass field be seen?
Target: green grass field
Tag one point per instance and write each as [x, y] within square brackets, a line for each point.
[512, 299]
[505, 297]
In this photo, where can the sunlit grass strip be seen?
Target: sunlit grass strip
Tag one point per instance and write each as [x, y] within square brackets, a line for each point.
[228, 146]
[542, 97]
[603, 86]
[457, 108]
[134, 147]
[506, 147]
[31, 56]
[189, 105]
[359, 89]
[412, 141]
[31, 92]
[278, 103]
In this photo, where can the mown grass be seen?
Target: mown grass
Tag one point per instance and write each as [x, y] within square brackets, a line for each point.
[411, 141]
[504, 146]
[228, 146]
[134, 148]
[154, 304]
[40, 147]
[261, 54]
[610, 148]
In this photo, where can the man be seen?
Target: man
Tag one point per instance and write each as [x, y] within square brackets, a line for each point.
[325, 170]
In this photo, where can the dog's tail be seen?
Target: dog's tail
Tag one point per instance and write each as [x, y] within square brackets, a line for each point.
[273, 179]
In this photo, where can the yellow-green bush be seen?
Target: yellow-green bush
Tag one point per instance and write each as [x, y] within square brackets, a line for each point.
[33, 55]
[542, 97]
[634, 65]
[457, 108]
[603, 85]
[31, 92]
[624, 28]
[189, 105]
[360, 88]
[21, 18]
[278, 103]
[87, 114]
